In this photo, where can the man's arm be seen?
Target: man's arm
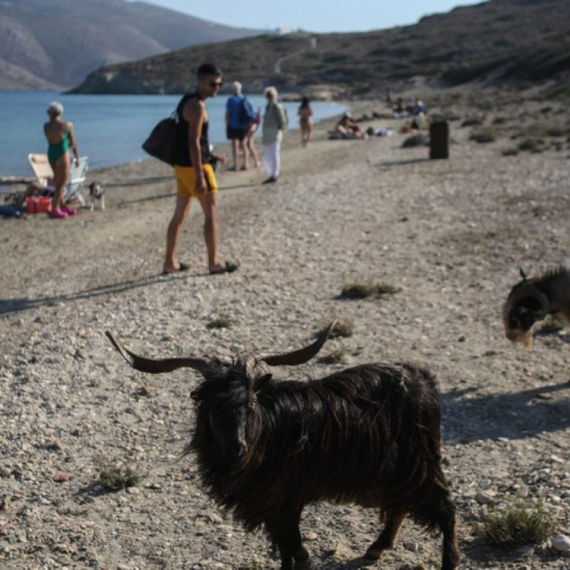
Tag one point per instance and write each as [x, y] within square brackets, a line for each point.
[194, 113]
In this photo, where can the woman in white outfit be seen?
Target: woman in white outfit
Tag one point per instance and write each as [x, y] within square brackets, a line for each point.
[274, 123]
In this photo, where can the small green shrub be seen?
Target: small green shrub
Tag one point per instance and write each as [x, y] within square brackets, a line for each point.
[336, 357]
[115, 476]
[222, 322]
[517, 525]
[363, 290]
[341, 329]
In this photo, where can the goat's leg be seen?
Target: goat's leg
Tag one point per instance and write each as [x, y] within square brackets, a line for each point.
[387, 537]
[441, 511]
[451, 558]
[287, 536]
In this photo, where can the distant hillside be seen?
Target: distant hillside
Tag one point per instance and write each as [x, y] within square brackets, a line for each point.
[499, 40]
[49, 43]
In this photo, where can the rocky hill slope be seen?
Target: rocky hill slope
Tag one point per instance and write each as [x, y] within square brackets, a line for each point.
[499, 40]
[57, 47]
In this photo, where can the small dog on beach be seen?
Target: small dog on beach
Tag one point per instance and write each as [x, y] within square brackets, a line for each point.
[96, 193]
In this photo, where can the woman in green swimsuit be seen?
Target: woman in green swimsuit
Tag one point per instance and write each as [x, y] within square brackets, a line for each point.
[61, 139]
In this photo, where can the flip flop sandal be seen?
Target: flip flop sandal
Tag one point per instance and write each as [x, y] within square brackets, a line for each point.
[230, 267]
[182, 267]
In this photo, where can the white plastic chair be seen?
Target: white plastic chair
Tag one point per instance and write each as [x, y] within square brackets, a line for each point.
[76, 181]
[44, 174]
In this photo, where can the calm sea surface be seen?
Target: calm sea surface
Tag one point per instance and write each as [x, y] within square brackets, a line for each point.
[109, 128]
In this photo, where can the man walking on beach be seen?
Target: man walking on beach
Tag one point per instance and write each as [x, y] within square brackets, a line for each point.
[194, 173]
[237, 125]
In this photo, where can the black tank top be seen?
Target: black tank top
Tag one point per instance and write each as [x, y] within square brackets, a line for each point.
[183, 151]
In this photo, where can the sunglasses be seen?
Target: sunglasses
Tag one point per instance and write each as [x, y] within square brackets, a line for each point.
[213, 84]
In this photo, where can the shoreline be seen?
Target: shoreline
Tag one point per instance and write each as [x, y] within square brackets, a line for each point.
[107, 142]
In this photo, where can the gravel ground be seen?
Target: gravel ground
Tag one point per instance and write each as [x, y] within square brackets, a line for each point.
[450, 234]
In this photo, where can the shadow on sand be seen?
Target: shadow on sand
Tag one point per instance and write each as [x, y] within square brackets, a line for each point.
[512, 416]
[402, 162]
[8, 306]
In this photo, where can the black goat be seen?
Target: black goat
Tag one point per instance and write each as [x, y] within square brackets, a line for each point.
[368, 436]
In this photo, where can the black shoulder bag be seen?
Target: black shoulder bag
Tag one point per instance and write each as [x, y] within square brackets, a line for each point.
[162, 142]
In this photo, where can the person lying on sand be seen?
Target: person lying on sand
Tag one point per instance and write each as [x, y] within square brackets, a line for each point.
[347, 128]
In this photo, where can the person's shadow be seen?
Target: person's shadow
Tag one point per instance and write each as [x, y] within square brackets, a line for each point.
[514, 415]
[8, 306]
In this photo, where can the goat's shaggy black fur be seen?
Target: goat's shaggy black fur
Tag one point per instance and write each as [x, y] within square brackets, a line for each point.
[368, 436]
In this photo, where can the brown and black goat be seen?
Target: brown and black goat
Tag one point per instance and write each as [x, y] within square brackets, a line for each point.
[531, 300]
[368, 435]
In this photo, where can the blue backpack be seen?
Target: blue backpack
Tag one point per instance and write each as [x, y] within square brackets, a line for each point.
[246, 112]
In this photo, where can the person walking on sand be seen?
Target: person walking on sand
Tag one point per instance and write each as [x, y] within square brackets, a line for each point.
[249, 137]
[61, 138]
[305, 121]
[274, 123]
[237, 125]
[194, 173]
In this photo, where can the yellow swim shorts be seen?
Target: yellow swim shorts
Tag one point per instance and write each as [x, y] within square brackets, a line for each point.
[186, 180]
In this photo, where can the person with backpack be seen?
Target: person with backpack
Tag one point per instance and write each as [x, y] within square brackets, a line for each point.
[239, 116]
[194, 174]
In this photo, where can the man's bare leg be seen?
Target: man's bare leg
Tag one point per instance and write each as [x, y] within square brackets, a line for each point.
[173, 233]
[235, 152]
[243, 149]
[210, 207]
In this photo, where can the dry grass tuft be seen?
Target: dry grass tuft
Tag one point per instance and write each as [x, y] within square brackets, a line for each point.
[336, 357]
[517, 525]
[341, 329]
[221, 322]
[115, 476]
[363, 290]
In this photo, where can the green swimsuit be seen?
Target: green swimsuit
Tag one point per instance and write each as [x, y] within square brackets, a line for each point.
[57, 150]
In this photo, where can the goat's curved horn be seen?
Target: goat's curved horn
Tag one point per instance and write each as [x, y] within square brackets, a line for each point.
[299, 356]
[522, 273]
[158, 366]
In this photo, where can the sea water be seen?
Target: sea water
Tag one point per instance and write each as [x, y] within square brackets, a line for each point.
[109, 129]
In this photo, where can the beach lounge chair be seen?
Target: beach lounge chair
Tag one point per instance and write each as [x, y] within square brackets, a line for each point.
[41, 167]
[43, 172]
[76, 181]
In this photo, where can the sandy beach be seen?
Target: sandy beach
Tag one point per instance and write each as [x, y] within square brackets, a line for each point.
[450, 234]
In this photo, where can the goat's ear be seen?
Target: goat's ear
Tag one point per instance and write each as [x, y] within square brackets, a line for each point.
[523, 273]
[262, 381]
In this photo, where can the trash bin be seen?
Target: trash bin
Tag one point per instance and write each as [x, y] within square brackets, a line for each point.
[439, 139]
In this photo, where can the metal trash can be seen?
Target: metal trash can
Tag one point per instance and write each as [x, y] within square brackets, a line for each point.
[439, 139]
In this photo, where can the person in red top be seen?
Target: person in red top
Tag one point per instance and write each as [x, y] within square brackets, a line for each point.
[194, 173]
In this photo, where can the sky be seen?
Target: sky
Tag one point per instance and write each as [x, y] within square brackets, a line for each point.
[312, 15]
